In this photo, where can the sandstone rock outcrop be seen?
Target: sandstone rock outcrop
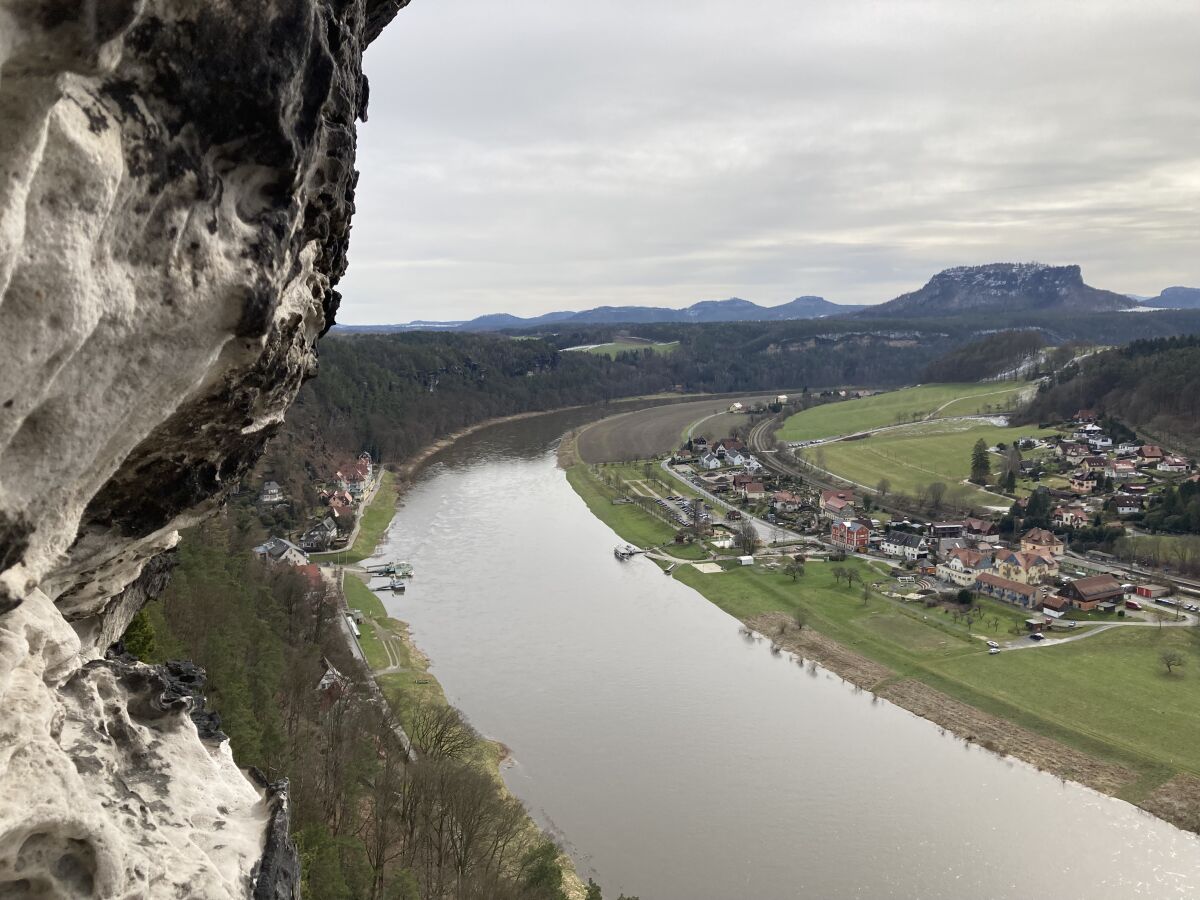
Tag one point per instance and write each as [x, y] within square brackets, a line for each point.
[176, 186]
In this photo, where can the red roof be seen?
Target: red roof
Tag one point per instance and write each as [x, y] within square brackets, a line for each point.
[312, 575]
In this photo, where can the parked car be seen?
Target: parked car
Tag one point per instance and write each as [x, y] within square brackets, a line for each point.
[1037, 636]
[993, 645]
[992, 651]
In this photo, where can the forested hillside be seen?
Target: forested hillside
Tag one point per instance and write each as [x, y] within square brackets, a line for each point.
[1152, 386]
[988, 357]
[393, 394]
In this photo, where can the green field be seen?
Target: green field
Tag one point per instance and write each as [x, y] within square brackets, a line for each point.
[1111, 688]
[359, 596]
[375, 521]
[628, 520]
[612, 349]
[912, 457]
[895, 407]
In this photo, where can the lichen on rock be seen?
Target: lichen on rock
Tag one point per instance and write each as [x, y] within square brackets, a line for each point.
[176, 187]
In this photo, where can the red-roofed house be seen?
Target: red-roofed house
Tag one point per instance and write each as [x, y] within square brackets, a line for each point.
[838, 504]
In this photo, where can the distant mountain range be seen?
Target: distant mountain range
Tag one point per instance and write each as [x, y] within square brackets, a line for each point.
[995, 288]
[732, 310]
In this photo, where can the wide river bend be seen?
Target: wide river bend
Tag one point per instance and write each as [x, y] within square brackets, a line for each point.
[678, 760]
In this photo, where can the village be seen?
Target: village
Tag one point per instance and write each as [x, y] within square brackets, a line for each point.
[1081, 479]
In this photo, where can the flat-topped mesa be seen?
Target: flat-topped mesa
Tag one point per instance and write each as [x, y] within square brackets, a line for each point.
[1003, 287]
[174, 215]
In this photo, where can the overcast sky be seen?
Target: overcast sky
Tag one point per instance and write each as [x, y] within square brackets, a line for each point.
[531, 155]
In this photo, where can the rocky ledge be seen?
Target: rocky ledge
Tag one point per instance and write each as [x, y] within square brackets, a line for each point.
[176, 186]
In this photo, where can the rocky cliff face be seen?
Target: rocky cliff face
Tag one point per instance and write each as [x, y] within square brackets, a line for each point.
[176, 187]
[1003, 288]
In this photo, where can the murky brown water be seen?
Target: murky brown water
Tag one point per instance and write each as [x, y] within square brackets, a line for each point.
[677, 760]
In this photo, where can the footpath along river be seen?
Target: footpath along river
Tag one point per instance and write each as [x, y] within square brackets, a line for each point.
[678, 760]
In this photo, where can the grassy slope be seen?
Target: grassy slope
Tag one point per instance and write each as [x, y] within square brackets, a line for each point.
[1111, 687]
[1107, 695]
[914, 456]
[611, 350]
[375, 521]
[851, 416]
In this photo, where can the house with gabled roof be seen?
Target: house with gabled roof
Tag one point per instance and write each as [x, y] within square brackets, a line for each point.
[905, 545]
[1088, 593]
[838, 504]
[1027, 567]
[1026, 596]
[1040, 540]
[280, 550]
[963, 566]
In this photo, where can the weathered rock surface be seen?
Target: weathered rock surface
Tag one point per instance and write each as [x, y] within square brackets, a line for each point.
[176, 187]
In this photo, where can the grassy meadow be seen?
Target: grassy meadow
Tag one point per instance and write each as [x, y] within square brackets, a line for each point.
[612, 349]
[896, 407]
[912, 457]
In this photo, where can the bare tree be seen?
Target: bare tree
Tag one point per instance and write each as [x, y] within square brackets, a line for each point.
[795, 569]
[937, 493]
[747, 537]
[439, 732]
[883, 488]
[1171, 659]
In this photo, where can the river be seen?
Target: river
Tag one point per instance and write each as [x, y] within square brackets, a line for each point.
[678, 760]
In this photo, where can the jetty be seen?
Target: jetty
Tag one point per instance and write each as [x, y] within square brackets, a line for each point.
[392, 569]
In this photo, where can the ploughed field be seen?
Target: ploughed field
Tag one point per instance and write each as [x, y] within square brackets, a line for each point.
[897, 407]
[647, 433]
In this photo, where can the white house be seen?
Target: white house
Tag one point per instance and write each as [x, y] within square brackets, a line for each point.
[963, 567]
[905, 545]
[271, 493]
[278, 550]
[1173, 464]
[709, 461]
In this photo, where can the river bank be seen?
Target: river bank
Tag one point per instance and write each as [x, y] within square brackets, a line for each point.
[395, 662]
[889, 652]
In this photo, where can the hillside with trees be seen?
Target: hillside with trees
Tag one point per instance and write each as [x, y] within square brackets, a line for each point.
[988, 357]
[1151, 386]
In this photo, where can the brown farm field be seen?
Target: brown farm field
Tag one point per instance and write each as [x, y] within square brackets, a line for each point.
[645, 433]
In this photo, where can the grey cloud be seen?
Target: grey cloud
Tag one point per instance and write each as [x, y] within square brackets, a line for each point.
[527, 156]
